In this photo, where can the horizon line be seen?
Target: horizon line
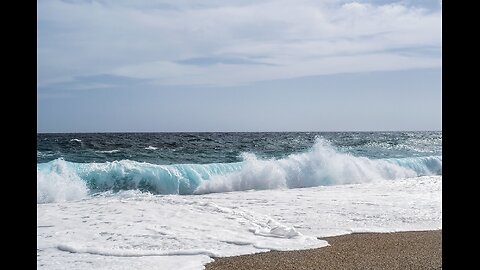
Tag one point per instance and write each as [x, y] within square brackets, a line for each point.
[362, 131]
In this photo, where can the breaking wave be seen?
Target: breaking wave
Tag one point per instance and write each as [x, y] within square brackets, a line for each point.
[60, 180]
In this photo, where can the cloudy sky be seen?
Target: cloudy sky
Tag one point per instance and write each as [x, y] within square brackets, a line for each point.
[238, 65]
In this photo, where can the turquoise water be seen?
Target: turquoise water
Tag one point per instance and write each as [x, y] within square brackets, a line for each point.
[197, 163]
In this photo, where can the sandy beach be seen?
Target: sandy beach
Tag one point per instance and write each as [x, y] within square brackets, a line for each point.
[401, 250]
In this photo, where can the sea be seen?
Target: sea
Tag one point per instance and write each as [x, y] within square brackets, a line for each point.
[178, 200]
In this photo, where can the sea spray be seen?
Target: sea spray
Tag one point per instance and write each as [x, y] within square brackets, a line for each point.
[60, 180]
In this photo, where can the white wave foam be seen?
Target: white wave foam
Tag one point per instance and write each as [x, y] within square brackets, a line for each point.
[322, 165]
[129, 232]
[59, 183]
[275, 229]
[151, 148]
[132, 252]
[109, 151]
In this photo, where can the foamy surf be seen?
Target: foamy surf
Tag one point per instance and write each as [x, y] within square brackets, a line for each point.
[141, 230]
[121, 210]
[322, 165]
[59, 183]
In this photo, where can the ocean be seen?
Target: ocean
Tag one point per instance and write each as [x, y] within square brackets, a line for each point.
[175, 200]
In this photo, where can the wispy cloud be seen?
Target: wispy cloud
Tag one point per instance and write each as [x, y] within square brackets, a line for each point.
[94, 82]
[208, 61]
[214, 42]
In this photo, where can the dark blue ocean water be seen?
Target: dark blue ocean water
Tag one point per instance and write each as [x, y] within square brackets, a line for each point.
[203, 148]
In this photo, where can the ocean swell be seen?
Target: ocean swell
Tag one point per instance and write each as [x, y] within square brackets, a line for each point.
[60, 180]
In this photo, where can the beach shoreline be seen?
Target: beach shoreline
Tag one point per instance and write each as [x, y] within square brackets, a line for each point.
[399, 250]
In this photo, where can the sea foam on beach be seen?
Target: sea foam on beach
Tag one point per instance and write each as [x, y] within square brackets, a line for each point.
[134, 214]
[161, 229]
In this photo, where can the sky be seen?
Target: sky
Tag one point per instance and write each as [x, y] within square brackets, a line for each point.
[238, 65]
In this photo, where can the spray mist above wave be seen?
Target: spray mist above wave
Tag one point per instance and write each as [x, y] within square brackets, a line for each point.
[321, 165]
[59, 183]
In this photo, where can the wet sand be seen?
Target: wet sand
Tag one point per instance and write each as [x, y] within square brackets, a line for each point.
[401, 250]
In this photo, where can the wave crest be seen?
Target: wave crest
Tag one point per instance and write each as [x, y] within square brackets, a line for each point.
[320, 166]
[60, 180]
[59, 183]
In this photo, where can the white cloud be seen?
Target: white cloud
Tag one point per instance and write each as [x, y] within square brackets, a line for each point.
[147, 39]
